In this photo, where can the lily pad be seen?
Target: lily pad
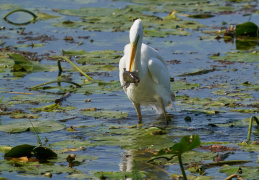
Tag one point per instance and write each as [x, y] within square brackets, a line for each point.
[181, 85]
[5, 149]
[32, 168]
[9, 6]
[101, 57]
[187, 143]
[106, 114]
[245, 171]
[21, 63]
[71, 144]
[238, 57]
[29, 150]
[120, 19]
[249, 29]
[96, 68]
[20, 151]
[40, 126]
[99, 87]
[199, 72]
[53, 108]
[45, 16]
[117, 175]
[194, 156]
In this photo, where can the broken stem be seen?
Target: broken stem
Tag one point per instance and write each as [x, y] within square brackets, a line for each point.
[59, 100]
[250, 126]
[38, 137]
[59, 68]
[35, 87]
[65, 58]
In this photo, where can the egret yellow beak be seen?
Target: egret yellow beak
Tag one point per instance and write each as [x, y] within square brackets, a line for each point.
[134, 46]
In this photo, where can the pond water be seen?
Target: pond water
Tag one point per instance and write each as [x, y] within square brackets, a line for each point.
[215, 80]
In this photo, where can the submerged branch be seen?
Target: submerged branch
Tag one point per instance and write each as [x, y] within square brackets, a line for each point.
[59, 100]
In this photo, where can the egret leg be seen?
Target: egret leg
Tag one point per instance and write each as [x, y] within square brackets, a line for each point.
[137, 107]
[163, 109]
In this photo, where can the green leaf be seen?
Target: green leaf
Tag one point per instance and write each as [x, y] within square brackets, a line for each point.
[40, 127]
[74, 53]
[182, 85]
[45, 16]
[101, 57]
[5, 149]
[187, 143]
[118, 175]
[53, 108]
[239, 57]
[21, 63]
[44, 153]
[20, 151]
[71, 144]
[249, 29]
[106, 114]
[244, 172]
[199, 72]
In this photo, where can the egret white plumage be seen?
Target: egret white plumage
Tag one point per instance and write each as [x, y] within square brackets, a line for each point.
[154, 86]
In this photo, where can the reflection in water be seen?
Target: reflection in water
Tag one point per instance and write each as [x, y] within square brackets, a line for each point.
[126, 163]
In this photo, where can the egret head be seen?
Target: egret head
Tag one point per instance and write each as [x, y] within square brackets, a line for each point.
[135, 35]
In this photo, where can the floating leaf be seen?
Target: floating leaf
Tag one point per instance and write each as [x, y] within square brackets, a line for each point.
[106, 114]
[249, 29]
[181, 85]
[245, 171]
[40, 126]
[79, 176]
[74, 53]
[44, 16]
[199, 72]
[99, 87]
[71, 144]
[97, 68]
[53, 108]
[187, 143]
[239, 57]
[5, 149]
[117, 175]
[101, 57]
[21, 63]
[20, 151]
[44, 153]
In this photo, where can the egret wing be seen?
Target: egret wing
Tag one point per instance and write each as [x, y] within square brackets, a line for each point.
[159, 72]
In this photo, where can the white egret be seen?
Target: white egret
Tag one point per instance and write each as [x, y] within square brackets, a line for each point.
[154, 87]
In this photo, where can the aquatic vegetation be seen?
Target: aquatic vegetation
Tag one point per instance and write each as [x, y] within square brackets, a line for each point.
[215, 80]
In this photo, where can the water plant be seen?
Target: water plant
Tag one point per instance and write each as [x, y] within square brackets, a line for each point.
[187, 143]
